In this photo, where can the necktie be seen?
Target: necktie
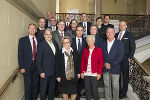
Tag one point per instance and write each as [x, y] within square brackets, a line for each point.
[61, 34]
[41, 30]
[119, 38]
[79, 45]
[34, 49]
[67, 25]
[84, 25]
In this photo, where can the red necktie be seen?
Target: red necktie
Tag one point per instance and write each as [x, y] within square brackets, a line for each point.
[61, 34]
[34, 49]
[67, 25]
[41, 30]
[120, 36]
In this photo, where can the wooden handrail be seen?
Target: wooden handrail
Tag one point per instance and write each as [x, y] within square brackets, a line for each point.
[141, 66]
[11, 79]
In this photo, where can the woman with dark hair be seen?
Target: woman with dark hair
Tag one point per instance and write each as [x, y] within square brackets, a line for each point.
[67, 69]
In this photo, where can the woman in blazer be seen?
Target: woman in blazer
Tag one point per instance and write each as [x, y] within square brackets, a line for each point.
[67, 69]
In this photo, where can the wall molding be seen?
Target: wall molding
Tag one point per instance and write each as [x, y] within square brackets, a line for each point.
[28, 8]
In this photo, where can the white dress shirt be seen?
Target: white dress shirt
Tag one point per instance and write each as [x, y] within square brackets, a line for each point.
[41, 28]
[78, 41]
[109, 45]
[61, 32]
[53, 28]
[121, 34]
[65, 57]
[31, 41]
[85, 28]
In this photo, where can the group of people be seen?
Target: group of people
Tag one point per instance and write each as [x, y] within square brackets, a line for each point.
[66, 56]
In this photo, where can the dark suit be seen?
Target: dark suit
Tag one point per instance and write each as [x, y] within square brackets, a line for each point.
[69, 27]
[46, 25]
[114, 57]
[80, 81]
[129, 49]
[57, 38]
[39, 34]
[103, 30]
[98, 41]
[88, 26]
[25, 61]
[46, 64]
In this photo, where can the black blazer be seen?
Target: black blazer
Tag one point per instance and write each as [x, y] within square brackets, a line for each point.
[46, 25]
[98, 41]
[103, 30]
[25, 53]
[45, 59]
[74, 45]
[88, 26]
[129, 44]
[60, 64]
[114, 57]
[39, 34]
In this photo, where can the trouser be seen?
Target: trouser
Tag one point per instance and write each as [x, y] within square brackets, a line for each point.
[111, 86]
[80, 88]
[124, 77]
[47, 83]
[91, 85]
[31, 81]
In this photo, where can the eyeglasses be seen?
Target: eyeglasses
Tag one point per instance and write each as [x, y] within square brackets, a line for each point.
[66, 42]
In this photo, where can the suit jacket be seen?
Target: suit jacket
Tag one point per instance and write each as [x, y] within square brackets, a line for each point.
[57, 38]
[46, 25]
[69, 27]
[39, 34]
[71, 32]
[98, 41]
[74, 45]
[114, 57]
[129, 44]
[88, 27]
[45, 59]
[60, 63]
[103, 32]
[25, 53]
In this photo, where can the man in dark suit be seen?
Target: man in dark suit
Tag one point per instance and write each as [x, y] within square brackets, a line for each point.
[67, 22]
[49, 16]
[113, 51]
[40, 30]
[60, 33]
[79, 44]
[105, 25]
[129, 47]
[98, 40]
[86, 25]
[46, 65]
[99, 22]
[27, 58]
[53, 26]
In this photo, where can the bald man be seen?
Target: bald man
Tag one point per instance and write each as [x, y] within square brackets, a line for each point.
[129, 48]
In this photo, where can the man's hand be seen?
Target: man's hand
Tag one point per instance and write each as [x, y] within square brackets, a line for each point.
[82, 75]
[98, 76]
[42, 75]
[107, 66]
[78, 76]
[129, 59]
[22, 71]
[59, 79]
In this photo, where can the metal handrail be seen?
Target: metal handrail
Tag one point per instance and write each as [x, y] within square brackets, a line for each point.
[7, 83]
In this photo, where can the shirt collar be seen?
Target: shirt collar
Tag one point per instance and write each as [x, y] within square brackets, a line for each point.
[31, 37]
[60, 31]
[111, 41]
[49, 41]
[63, 49]
[41, 28]
[122, 32]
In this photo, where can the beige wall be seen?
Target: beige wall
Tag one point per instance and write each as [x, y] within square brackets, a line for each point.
[13, 25]
[45, 5]
[84, 6]
[147, 6]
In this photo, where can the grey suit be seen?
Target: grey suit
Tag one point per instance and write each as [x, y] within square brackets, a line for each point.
[57, 38]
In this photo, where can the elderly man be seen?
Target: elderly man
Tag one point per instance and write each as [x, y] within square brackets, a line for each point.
[91, 67]
[129, 48]
[53, 24]
[113, 51]
[49, 15]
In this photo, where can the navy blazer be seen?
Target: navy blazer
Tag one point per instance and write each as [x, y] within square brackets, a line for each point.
[98, 41]
[114, 57]
[74, 45]
[25, 53]
[45, 59]
[129, 44]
